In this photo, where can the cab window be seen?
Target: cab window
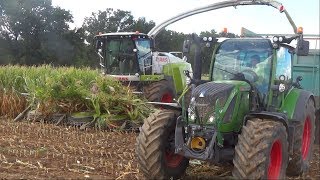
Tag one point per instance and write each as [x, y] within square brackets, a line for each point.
[283, 67]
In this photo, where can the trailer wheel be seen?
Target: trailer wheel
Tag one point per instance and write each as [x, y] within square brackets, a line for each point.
[262, 151]
[303, 142]
[155, 148]
[161, 91]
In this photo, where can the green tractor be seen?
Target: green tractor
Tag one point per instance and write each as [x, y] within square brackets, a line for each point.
[251, 112]
[128, 57]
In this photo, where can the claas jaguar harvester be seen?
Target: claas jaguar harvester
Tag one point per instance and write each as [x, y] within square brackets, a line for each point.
[255, 116]
[129, 58]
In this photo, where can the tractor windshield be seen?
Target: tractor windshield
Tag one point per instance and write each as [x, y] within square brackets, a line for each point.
[251, 57]
[120, 56]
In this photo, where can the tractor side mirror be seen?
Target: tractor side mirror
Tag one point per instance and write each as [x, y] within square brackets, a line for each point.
[297, 83]
[186, 46]
[299, 78]
[302, 47]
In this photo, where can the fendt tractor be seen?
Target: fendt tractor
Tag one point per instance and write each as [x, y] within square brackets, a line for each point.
[128, 57]
[251, 113]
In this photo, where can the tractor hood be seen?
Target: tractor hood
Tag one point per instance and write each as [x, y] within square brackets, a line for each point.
[205, 97]
[209, 98]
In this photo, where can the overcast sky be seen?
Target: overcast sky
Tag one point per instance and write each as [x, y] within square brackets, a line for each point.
[260, 19]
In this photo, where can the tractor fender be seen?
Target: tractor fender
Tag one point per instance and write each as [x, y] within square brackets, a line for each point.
[276, 116]
[301, 101]
[293, 102]
[170, 80]
[176, 72]
[298, 114]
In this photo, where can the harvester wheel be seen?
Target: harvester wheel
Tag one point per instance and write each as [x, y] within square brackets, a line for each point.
[262, 151]
[161, 91]
[155, 148]
[303, 142]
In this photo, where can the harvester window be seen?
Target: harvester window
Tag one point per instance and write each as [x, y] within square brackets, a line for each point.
[144, 54]
[120, 56]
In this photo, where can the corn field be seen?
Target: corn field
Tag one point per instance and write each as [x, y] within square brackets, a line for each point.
[50, 90]
[50, 150]
[39, 150]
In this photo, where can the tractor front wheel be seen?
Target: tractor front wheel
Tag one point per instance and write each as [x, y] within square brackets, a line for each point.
[262, 151]
[303, 142]
[155, 148]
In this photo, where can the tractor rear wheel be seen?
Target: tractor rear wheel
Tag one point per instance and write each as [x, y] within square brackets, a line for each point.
[155, 148]
[303, 142]
[317, 133]
[262, 151]
[161, 91]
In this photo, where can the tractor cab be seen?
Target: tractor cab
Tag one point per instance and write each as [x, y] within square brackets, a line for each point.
[240, 58]
[124, 53]
[265, 64]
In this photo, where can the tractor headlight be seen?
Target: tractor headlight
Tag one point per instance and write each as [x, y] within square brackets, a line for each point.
[280, 39]
[211, 119]
[282, 87]
[188, 81]
[275, 39]
[192, 117]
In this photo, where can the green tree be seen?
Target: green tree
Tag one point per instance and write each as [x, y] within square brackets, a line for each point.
[107, 21]
[35, 31]
[142, 25]
[168, 40]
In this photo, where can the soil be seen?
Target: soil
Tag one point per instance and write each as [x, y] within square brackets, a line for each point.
[41, 151]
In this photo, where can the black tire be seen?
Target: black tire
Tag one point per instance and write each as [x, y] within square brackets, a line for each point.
[317, 138]
[154, 145]
[258, 140]
[300, 160]
[161, 91]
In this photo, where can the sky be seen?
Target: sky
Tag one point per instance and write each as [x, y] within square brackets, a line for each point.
[260, 19]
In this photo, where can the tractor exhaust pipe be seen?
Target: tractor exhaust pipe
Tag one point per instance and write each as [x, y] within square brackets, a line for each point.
[197, 68]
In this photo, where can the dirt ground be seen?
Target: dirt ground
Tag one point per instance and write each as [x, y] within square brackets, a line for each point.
[42, 151]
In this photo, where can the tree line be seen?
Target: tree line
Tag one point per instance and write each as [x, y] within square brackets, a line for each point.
[35, 32]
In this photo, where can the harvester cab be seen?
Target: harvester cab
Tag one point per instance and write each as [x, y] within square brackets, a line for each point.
[251, 111]
[124, 53]
[129, 57]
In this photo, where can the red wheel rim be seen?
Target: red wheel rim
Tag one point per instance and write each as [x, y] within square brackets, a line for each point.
[275, 160]
[167, 98]
[306, 138]
[173, 160]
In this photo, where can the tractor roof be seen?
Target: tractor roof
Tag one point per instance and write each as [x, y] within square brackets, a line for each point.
[122, 34]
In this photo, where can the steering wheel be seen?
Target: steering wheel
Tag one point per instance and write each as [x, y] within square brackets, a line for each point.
[250, 75]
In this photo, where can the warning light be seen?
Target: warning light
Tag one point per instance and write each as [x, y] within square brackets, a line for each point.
[225, 30]
[281, 8]
[300, 30]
